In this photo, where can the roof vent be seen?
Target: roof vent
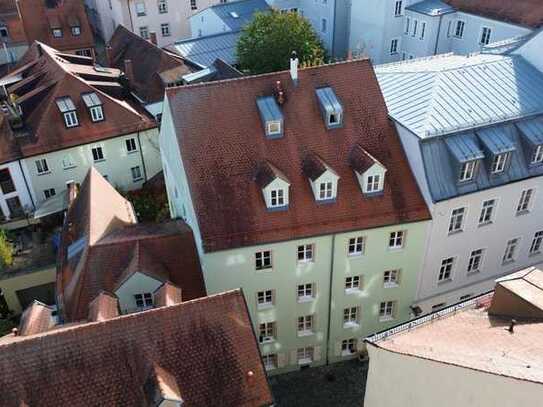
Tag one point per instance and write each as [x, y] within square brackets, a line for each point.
[233, 14]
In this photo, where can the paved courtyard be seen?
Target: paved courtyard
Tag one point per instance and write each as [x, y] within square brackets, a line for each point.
[340, 384]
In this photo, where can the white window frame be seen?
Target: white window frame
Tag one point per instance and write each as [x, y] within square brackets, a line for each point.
[537, 157]
[305, 325]
[537, 243]
[391, 278]
[76, 31]
[353, 284]
[356, 246]
[306, 253]
[396, 240]
[270, 361]
[394, 46]
[488, 211]
[485, 34]
[263, 260]
[144, 32]
[267, 332]
[511, 250]
[265, 299]
[97, 113]
[348, 347]
[67, 162]
[499, 163]
[415, 27]
[351, 317]
[42, 167]
[326, 193]
[57, 32]
[277, 198]
[446, 270]
[305, 355]
[457, 24]
[140, 9]
[305, 292]
[525, 202]
[165, 30]
[273, 128]
[475, 261]
[136, 173]
[146, 300]
[70, 119]
[467, 171]
[456, 222]
[99, 152]
[373, 183]
[387, 310]
[398, 8]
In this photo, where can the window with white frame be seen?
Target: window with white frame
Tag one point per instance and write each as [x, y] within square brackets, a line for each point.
[398, 8]
[67, 108]
[415, 27]
[396, 239]
[41, 166]
[67, 162]
[510, 250]
[407, 25]
[394, 46]
[459, 29]
[391, 278]
[305, 292]
[537, 157]
[97, 113]
[264, 299]
[277, 198]
[305, 355]
[305, 253]
[193, 5]
[498, 163]
[136, 173]
[165, 29]
[486, 32]
[348, 347]
[162, 6]
[326, 190]
[487, 212]
[48, 193]
[76, 31]
[270, 361]
[422, 29]
[140, 9]
[266, 332]
[446, 269]
[356, 246]
[350, 316]
[374, 183]
[57, 32]
[97, 153]
[525, 201]
[475, 262]
[305, 325]
[94, 104]
[457, 220]
[143, 300]
[537, 241]
[263, 260]
[131, 145]
[387, 310]
[467, 171]
[352, 283]
[144, 32]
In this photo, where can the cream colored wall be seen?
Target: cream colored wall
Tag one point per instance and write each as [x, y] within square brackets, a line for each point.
[138, 283]
[396, 380]
[116, 164]
[10, 286]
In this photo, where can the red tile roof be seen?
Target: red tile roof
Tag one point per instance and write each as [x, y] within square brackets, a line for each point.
[104, 306]
[38, 21]
[206, 347]
[521, 12]
[58, 75]
[113, 246]
[222, 144]
[36, 318]
[167, 294]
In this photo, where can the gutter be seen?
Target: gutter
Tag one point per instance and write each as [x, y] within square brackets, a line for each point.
[438, 33]
[328, 334]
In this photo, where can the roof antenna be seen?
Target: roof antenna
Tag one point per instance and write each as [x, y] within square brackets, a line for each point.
[294, 67]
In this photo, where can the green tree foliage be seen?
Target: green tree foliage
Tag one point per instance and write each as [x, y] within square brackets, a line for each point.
[267, 43]
[6, 251]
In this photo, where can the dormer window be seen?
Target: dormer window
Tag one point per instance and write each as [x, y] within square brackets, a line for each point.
[369, 171]
[67, 108]
[326, 191]
[498, 163]
[76, 31]
[373, 183]
[322, 178]
[94, 104]
[499, 145]
[275, 186]
[537, 158]
[271, 116]
[466, 155]
[331, 108]
[467, 171]
[57, 32]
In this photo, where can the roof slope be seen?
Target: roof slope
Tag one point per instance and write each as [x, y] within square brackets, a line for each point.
[521, 12]
[236, 14]
[222, 143]
[206, 346]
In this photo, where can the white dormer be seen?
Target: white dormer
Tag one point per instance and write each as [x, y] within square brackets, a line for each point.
[369, 171]
[275, 186]
[322, 178]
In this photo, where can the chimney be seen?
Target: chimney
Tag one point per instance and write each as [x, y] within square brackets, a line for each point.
[294, 67]
[152, 37]
[129, 70]
[109, 56]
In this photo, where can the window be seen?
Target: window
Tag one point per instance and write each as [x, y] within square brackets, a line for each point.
[165, 29]
[305, 253]
[41, 166]
[350, 317]
[266, 332]
[85, 52]
[485, 36]
[510, 250]
[535, 247]
[352, 283]
[6, 182]
[467, 171]
[57, 32]
[70, 119]
[263, 260]
[144, 300]
[394, 46]
[264, 299]
[305, 292]
[356, 246]
[273, 128]
[67, 108]
[140, 9]
[537, 158]
[396, 240]
[277, 198]
[348, 346]
[76, 31]
[4, 33]
[457, 220]
[131, 145]
[304, 355]
[325, 191]
[524, 202]
[67, 162]
[487, 212]
[498, 163]
[407, 24]
[305, 325]
[459, 29]
[334, 118]
[48, 193]
[445, 271]
[422, 29]
[391, 278]
[97, 114]
[97, 154]
[373, 183]
[136, 173]
[270, 361]
[415, 24]
[162, 6]
[144, 32]
[475, 261]
[324, 23]
[193, 5]
[386, 310]
[15, 208]
[398, 8]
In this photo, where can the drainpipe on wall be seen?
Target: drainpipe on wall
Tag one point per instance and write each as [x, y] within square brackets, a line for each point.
[438, 33]
[26, 185]
[130, 15]
[142, 159]
[330, 299]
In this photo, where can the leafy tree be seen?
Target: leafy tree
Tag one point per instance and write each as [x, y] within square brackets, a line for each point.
[6, 251]
[266, 44]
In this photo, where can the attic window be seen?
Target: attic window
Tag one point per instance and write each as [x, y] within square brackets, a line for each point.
[94, 104]
[57, 32]
[331, 108]
[76, 31]
[499, 144]
[274, 185]
[233, 14]
[271, 116]
[67, 108]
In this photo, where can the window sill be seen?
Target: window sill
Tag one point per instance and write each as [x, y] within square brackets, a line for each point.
[266, 341]
[481, 225]
[305, 333]
[355, 255]
[304, 361]
[455, 232]
[508, 262]
[395, 249]
[305, 261]
[349, 291]
[473, 272]
[269, 368]
[71, 167]
[391, 285]
[44, 173]
[132, 152]
[263, 307]
[350, 325]
[326, 201]
[137, 179]
[445, 281]
[386, 319]
[346, 353]
[534, 254]
[277, 208]
[525, 212]
[380, 192]
[302, 300]
[265, 270]
[99, 161]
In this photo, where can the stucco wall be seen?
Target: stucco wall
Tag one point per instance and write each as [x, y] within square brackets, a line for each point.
[21, 189]
[10, 286]
[138, 283]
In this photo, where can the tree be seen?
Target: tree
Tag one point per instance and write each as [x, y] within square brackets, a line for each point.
[266, 44]
[6, 251]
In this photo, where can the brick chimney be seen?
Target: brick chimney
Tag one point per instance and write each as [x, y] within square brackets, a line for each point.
[129, 70]
[152, 37]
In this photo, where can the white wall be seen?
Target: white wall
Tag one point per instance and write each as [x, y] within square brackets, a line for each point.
[138, 283]
[205, 23]
[396, 380]
[531, 51]
[21, 190]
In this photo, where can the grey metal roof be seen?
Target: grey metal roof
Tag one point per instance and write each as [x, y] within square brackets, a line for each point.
[236, 14]
[330, 105]
[431, 8]
[496, 140]
[448, 94]
[203, 51]
[532, 130]
[270, 112]
[464, 147]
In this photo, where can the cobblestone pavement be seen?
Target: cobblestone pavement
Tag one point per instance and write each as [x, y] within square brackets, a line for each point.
[341, 384]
